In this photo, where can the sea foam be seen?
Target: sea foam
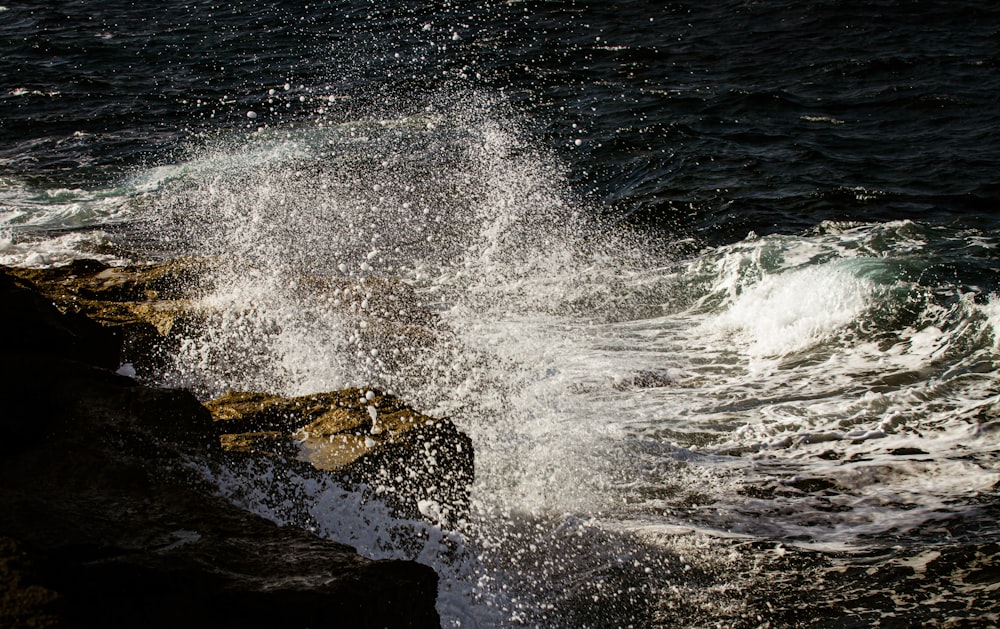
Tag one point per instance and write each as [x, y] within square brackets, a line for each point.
[733, 391]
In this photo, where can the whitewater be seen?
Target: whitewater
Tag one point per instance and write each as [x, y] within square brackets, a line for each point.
[659, 425]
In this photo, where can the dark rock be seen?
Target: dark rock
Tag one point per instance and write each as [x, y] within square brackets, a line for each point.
[907, 452]
[23, 602]
[645, 379]
[33, 324]
[105, 520]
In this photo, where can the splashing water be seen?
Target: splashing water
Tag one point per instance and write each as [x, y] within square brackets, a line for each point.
[826, 389]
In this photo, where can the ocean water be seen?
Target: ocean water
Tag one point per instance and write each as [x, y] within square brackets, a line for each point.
[713, 289]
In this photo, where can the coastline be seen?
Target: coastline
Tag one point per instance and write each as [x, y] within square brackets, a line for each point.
[104, 518]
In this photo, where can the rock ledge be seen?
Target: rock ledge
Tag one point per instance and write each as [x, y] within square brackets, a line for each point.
[103, 521]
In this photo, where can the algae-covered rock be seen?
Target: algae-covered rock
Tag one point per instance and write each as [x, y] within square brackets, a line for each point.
[416, 463]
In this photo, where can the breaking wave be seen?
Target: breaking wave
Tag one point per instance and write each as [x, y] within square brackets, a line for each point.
[830, 389]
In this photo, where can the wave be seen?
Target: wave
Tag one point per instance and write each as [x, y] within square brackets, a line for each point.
[833, 388]
[547, 322]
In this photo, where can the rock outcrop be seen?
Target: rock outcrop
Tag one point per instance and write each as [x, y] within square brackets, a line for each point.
[420, 466]
[152, 308]
[417, 464]
[106, 521]
[146, 308]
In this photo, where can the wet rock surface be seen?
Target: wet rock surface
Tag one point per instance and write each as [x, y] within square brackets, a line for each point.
[151, 309]
[105, 519]
[146, 308]
[417, 464]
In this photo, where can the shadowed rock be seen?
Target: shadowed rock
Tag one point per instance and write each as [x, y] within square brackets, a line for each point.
[146, 307]
[105, 520]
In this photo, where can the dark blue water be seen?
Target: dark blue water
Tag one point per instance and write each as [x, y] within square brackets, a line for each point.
[765, 115]
[719, 277]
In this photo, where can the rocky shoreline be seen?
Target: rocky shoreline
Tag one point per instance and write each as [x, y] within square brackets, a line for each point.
[104, 519]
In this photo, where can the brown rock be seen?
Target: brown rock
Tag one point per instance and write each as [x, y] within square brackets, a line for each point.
[416, 463]
[104, 520]
[151, 308]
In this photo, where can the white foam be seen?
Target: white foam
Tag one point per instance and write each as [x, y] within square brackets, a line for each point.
[594, 376]
[39, 251]
[793, 311]
[826, 119]
[563, 362]
[46, 226]
[23, 91]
